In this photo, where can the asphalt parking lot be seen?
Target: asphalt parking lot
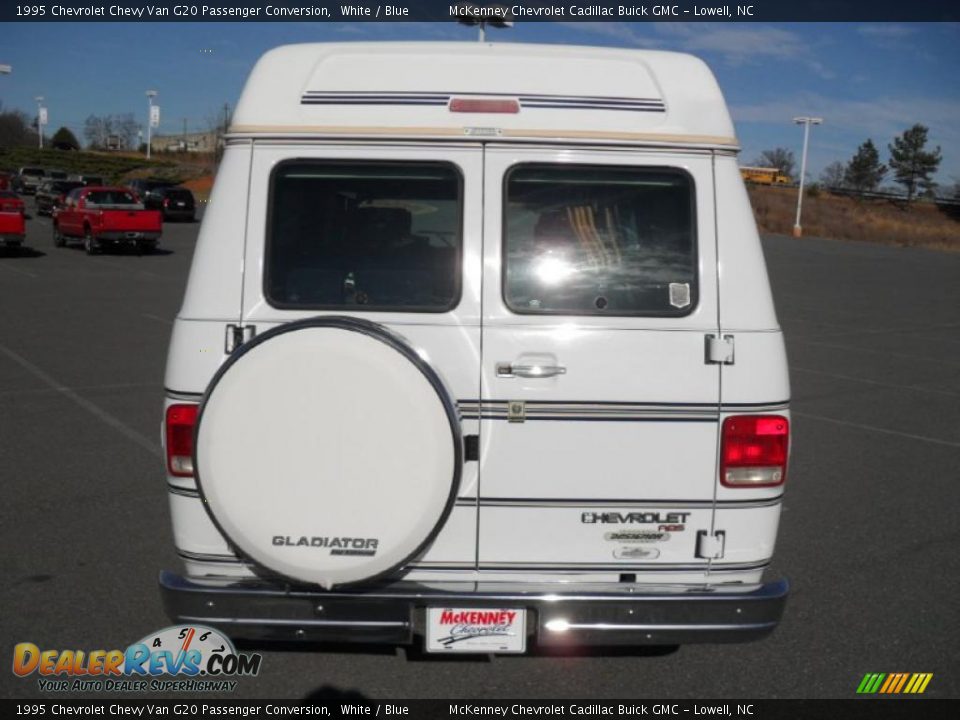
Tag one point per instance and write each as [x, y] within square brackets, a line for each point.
[869, 536]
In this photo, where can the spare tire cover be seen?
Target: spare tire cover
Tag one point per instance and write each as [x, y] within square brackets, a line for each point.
[328, 451]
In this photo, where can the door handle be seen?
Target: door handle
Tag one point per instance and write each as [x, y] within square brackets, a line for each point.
[508, 370]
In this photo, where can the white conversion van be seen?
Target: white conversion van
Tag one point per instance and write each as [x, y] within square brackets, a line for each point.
[477, 350]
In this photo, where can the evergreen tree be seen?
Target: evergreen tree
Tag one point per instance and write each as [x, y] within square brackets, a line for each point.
[63, 139]
[912, 165]
[864, 171]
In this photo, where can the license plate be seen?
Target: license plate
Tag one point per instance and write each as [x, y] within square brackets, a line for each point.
[476, 630]
[181, 204]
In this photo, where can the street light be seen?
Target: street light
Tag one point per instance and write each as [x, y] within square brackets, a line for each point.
[470, 14]
[40, 123]
[151, 94]
[806, 122]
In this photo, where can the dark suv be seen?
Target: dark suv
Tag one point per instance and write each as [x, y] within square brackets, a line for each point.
[176, 203]
[145, 190]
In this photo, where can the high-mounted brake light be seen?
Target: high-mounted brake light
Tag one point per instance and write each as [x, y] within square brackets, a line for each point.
[753, 451]
[180, 421]
[481, 105]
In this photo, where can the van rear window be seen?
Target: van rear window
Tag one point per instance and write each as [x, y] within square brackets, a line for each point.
[599, 240]
[370, 236]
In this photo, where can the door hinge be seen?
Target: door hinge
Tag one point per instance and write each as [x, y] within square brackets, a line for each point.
[711, 545]
[719, 349]
[237, 335]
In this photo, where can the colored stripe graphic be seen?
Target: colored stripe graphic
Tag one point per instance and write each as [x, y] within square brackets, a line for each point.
[894, 683]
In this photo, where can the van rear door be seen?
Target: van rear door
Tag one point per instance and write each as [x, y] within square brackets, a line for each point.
[598, 409]
[385, 233]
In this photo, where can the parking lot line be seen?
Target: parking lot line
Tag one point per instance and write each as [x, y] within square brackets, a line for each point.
[872, 428]
[18, 270]
[895, 386]
[92, 408]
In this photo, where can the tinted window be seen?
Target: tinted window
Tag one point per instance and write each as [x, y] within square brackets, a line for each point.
[111, 197]
[599, 240]
[32, 172]
[364, 235]
[178, 194]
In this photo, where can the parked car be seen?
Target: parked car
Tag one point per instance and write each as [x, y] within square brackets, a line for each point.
[27, 179]
[146, 189]
[525, 386]
[6, 179]
[12, 226]
[11, 202]
[51, 194]
[106, 217]
[176, 203]
[90, 180]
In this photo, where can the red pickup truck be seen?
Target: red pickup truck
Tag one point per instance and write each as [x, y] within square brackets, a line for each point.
[12, 228]
[105, 217]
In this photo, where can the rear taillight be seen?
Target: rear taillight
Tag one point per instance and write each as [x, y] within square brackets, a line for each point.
[166, 202]
[180, 422]
[753, 452]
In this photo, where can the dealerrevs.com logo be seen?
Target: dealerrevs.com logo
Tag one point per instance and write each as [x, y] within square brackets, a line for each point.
[184, 658]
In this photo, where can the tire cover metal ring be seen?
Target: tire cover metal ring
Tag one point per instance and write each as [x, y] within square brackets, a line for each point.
[247, 507]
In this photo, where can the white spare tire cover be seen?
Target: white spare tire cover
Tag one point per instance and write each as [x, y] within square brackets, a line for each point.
[328, 451]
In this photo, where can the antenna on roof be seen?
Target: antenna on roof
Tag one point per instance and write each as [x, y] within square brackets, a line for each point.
[498, 16]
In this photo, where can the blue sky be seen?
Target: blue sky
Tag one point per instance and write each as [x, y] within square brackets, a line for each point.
[865, 80]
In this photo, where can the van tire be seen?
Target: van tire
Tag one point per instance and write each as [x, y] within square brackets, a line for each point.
[328, 451]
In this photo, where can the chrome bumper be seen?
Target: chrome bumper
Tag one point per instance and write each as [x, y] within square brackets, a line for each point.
[558, 615]
[127, 236]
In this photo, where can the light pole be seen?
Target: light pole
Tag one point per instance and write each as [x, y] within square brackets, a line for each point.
[151, 94]
[806, 122]
[39, 99]
[470, 15]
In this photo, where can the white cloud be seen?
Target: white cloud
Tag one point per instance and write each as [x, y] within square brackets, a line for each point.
[885, 30]
[733, 44]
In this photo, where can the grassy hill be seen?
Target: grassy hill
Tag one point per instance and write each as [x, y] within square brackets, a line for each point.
[922, 224]
[114, 166]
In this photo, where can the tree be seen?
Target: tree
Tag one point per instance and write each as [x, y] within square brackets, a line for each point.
[15, 130]
[833, 174]
[780, 158]
[97, 130]
[864, 171]
[63, 139]
[127, 127]
[912, 165]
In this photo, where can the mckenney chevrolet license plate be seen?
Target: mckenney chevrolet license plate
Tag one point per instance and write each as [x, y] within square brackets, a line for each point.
[476, 630]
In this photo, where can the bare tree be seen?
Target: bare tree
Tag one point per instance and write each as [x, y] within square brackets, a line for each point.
[97, 129]
[15, 129]
[127, 127]
[780, 158]
[833, 174]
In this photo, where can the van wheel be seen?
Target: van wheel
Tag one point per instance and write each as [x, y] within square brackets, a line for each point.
[58, 239]
[90, 244]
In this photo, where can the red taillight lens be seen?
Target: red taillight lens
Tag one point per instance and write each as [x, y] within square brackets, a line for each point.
[753, 452]
[180, 422]
[480, 105]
